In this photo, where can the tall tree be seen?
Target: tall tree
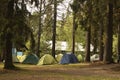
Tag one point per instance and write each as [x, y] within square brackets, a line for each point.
[117, 15]
[73, 33]
[8, 37]
[118, 43]
[15, 16]
[54, 28]
[39, 29]
[88, 32]
[109, 35]
[3, 22]
[75, 7]
[99, 11]
[101, 44]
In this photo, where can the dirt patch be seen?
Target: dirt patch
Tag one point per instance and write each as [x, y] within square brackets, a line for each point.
[63, 72]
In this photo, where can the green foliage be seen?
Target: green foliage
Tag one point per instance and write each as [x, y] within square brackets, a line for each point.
[115, 44]
[3, 20]
[75, 6]
[16, 24]
[64, 33]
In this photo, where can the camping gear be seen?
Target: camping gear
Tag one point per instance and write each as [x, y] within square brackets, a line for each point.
[14, 55]
[29, 59]
[22, 58]
[47, 59]
[94, 57]
[69, 58]
[19, 55]
[80, 58]
[14, 58]
[59, 57]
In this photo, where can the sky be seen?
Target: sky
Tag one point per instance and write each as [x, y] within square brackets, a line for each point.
[61, 8]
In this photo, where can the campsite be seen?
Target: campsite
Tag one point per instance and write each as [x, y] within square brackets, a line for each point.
[59, 39]
[67, 68]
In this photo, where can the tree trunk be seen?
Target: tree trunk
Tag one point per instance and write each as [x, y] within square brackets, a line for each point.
[8, 55]
[88, 37]
[0, 57]
[8, 38]
[94, 48]
[39, 29]
[2, 54]
[101, 45]
[94, 41]
[118, 44]
[109, 36]
[88, 33]
[73, 33]
[54, 28]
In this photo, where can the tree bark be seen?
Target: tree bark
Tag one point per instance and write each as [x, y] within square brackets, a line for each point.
[109, 36]
[54, 28]
[8, 55]
[94, 41]
[0, 57]
[88, 37]
[8, 38]
[101, 44]
[88, 33]
[2, 54]
[39, 29]
[73, 33]
[118, 44]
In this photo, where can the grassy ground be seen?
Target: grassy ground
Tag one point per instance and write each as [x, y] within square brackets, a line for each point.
[62, 72]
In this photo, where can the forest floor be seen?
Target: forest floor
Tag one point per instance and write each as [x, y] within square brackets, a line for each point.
[82, 71]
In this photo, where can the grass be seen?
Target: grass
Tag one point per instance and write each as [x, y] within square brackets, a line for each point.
[61, 72]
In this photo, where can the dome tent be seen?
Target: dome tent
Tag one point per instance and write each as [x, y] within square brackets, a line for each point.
[94, 57]
[22, 58]
[80, 58]
[30, 59]
[19, 55]
[47, 59]
[59, 57]
[69, 58]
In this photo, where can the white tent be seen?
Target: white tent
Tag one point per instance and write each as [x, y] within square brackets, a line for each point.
[14, 55]
[94, 57]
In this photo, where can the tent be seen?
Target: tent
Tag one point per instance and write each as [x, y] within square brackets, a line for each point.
[19, 55]
[59, 57]
[80, 58]
[14, 55]
[47, 59]
[94, 57]
[21, 58]
[14, 58]
[30, 59]
[69, 58]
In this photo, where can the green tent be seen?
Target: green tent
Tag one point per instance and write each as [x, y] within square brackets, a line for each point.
[59, 57]
[30, 59]
[80, 58]
[47, 59]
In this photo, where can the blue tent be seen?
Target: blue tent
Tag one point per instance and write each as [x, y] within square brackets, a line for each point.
[69, 58]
